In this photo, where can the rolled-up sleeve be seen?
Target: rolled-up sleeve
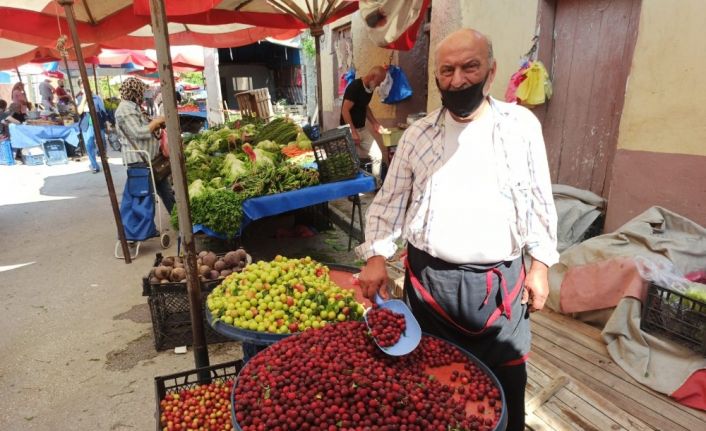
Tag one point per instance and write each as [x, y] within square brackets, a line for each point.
[386, 214]
[541, 240]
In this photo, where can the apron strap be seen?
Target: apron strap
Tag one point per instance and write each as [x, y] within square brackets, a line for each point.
[505, 306]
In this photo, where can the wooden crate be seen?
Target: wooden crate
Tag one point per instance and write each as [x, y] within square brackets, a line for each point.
[255, 103]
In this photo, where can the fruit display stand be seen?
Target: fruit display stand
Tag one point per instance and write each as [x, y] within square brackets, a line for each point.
[488, 412]
[188, 380]
[342, 275]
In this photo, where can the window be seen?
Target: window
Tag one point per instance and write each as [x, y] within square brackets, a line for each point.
[242, 83]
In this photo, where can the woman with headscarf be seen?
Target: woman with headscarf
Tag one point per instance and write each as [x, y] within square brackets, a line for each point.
[19, 97]
[136, 129]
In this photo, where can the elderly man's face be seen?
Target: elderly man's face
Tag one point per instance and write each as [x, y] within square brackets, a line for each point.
[462, 64]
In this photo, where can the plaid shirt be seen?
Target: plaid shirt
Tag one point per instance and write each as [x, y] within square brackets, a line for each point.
[130, 120]
[402, 206]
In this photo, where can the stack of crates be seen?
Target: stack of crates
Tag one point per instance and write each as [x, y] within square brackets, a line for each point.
[6, 156]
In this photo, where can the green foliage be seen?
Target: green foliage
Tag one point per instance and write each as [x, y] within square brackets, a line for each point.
[308, 45]
[195, 78]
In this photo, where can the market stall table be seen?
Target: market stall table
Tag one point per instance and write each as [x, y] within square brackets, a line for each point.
[269, 205]
[26, 136]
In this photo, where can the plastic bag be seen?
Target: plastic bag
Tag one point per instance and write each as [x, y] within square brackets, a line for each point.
[400, 89]
[537, 87]
[664, 274]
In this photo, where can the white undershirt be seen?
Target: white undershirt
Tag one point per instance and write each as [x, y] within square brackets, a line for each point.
[468, 224]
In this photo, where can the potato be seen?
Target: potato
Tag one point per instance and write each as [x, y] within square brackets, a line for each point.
[162, 272]
[168, 261]
[219, 265]
[210, 259]
[204, 270]
[226, 272]
[203, 253]
[178, 274]
[165, 281]
[154, 280]
[214, 274]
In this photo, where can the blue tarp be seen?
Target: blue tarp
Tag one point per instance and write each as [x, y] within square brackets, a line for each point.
[265, 206]
[24, 136]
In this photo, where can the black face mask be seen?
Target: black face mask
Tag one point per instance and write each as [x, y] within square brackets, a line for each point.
[462, 103]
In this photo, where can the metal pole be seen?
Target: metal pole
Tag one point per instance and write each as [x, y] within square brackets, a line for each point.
[176, 158]
[19, 77]
[317, 32]
[69, 10]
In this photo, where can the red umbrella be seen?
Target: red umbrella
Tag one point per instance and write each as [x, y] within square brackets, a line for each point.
[29, 29]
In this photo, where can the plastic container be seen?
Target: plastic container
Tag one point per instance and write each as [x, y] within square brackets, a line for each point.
[55, 152]
[177, 382]
[33, 156]
[676, 317]
[336, 156]
[6, 156]
[391, 139]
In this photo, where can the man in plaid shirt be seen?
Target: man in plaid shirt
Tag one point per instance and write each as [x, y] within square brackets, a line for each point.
[469, 190]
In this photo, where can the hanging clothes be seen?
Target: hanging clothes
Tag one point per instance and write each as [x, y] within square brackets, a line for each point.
[536, 88]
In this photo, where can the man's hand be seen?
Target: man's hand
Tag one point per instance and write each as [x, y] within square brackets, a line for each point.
[356, 136]
[373, 278]
[536, 286]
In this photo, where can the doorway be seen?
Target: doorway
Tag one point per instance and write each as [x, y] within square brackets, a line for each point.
[587, 47]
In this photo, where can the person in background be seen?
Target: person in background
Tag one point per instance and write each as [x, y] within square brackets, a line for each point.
[20, 98]
[15, 110]
[86, 124]
[5, 120]
[136, 129]
[62, 95]
[46, 92]
[179, 97]
[149, 101]
[354, 112]
[469, 189]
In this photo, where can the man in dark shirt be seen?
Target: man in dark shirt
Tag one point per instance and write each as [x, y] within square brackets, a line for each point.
[355, 110]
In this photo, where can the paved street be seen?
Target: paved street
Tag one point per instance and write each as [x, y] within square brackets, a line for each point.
[76, 338]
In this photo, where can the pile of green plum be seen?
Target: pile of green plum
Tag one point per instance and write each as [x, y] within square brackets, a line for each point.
[283, 296]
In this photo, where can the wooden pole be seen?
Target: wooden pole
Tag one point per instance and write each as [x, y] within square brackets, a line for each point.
[95, 80]
[69, 10]
[81, 140]
[19, 77]
[317, 32]
[176, 158]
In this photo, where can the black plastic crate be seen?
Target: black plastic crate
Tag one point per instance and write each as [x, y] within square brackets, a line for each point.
[174, 383]
[171, 317]
[676, 317]
[336, 156]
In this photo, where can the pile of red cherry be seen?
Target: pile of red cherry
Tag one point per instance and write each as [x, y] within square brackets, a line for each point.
[336, 379]
[205, 407]
[385, 325]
